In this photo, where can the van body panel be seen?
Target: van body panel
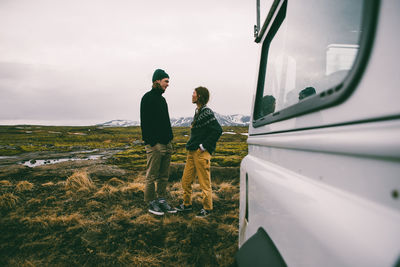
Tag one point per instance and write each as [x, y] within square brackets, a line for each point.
[350, 157]
[314, 223]
[325, 185]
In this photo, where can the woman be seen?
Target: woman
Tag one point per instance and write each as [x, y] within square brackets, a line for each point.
[204, 134]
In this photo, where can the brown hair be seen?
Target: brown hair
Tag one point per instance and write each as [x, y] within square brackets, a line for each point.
[202, 95]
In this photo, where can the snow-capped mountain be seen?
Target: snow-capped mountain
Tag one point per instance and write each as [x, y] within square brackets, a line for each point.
[233, 120]
[224, 120]
[181, 122]
[119, 123]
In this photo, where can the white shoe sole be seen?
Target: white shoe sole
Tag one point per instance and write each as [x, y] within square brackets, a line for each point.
[156, 212]
[172, 211]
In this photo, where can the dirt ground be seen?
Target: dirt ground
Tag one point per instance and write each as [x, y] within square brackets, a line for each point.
[89, 213]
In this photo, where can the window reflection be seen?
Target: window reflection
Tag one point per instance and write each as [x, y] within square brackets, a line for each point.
[306, 92]
[312, 51]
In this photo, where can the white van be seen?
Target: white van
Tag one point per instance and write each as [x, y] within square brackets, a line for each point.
[320, 184]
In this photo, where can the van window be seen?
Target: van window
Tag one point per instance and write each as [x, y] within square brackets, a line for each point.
[310, 48]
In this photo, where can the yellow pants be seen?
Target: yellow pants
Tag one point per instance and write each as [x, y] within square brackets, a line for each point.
[197, 163]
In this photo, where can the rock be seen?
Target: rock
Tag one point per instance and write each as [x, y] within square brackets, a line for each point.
[138, 142]
[106, 171]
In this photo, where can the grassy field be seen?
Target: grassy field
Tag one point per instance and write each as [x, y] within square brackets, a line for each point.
[91, 213]
[15, 140]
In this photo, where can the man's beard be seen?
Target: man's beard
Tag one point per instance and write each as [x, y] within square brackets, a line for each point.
[157, 86]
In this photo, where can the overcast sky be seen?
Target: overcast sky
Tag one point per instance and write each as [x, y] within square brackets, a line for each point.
[69, 62]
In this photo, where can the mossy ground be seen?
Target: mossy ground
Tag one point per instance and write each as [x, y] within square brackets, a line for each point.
[93, 214]
[16, 140]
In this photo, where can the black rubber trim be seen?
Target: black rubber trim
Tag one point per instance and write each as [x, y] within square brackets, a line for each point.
[246, 214]
[267, 21]
[259, 250]
[331, 96]
[273, 28]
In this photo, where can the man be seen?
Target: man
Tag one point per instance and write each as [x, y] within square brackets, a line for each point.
[157, 135]
[204, 135]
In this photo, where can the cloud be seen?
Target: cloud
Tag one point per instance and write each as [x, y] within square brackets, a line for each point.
[94, 59]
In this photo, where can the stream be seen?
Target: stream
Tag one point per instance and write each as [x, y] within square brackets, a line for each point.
[34, 163]
[35, 159]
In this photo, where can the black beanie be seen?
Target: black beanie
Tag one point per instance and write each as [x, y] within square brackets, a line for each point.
[159, 74]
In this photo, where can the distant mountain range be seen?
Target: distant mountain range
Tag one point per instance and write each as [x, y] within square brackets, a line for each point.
[224, 120]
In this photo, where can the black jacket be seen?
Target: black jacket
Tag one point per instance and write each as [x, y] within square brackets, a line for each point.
[205, 130]
[154, 118]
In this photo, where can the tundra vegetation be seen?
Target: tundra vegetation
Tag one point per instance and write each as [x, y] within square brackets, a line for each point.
[91, 212]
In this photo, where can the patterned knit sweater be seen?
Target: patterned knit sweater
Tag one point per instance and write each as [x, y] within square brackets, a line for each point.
[205, 130]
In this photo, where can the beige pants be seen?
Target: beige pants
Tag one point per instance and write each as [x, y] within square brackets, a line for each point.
[158, 160]
[197, 163]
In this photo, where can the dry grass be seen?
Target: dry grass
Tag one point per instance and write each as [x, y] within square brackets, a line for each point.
[134, 187]
[48, 184]
[97, 217]
[79, 181]
[94, 205]
[33, 202]
[228, 229]
[141, 178]
[115, 181]
[172, 220]
[176, 190]
[227, 188]
[121, 215]
[5, 183]
[142, 259]
[111, 226]
[23, 186]
[236, 197]
[26, 263]
[62, 184]
[55, 221]
[146, 219]
[107, 192]
[8, 201]
[215, 197]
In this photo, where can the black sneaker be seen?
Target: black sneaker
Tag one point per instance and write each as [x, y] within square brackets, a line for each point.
[155, 209]
[203, 213]
[183, 207]
[165, 207]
